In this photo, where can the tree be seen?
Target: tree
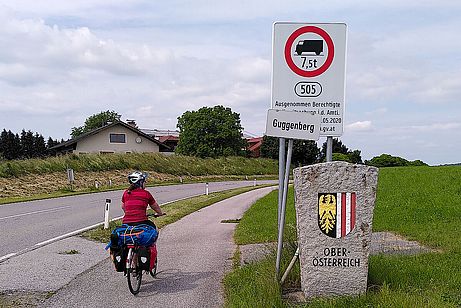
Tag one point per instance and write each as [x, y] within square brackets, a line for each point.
[10, 145]
[355, 157]
[95, 121]
[210, 132]
[27, 144]
[341, 157]
[386, 160]
[270, 147]
[49, 144]
[39, 146]
[305, 152]
[339, 148]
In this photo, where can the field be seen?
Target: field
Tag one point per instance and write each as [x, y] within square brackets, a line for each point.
[420, 203]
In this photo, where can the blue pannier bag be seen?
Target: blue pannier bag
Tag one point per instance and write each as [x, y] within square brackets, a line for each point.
[142, 235]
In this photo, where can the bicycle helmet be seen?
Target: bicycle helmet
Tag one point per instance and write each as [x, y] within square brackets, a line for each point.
[137, 178]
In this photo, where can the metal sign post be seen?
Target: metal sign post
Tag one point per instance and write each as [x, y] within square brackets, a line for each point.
[284, 203]
[282, 154]
[329, 154]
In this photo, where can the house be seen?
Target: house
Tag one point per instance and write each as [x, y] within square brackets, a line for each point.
[170, 141]
[116, 137]
[254, 146]
[168, 137]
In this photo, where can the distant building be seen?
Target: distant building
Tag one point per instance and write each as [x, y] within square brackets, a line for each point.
[168, 137]
[254, 146]
[116, 137]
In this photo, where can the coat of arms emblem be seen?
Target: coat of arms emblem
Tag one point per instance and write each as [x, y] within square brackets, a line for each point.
[337, 213]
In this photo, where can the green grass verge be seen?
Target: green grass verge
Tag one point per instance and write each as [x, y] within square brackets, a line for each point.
[168, 164]
[69, 192]
[175, 211]
[259, 224]
[422, 203]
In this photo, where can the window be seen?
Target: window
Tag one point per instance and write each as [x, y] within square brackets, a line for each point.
[117, 138]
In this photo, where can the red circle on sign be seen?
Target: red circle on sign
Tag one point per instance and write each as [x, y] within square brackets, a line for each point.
[292, 38]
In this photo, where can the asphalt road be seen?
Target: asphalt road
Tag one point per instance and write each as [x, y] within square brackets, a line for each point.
[31, 224]
[194, 254]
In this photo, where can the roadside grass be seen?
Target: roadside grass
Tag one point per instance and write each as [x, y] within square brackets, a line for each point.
[421, 203]
[65, 192]
[55, 194]
[175, 211]
[168, 164]
[259, 224]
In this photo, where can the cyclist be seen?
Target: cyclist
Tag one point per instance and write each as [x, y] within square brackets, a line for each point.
[134, 203]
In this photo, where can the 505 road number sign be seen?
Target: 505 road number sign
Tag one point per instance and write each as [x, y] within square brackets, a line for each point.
[309, 63]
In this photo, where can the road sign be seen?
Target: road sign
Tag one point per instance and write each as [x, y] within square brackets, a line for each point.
[309, 64]
[292, 124]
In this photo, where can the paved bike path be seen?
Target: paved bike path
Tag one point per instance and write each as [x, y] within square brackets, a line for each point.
[194, 254]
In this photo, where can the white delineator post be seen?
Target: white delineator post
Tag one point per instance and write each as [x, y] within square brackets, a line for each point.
[106, 214]
[206, 189]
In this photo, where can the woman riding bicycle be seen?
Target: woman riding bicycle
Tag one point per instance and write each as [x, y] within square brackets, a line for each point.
[134, 203]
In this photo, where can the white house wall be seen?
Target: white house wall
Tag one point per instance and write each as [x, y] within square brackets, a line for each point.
[100, 142]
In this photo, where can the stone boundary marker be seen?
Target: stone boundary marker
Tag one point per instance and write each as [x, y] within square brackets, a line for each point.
[334, 204]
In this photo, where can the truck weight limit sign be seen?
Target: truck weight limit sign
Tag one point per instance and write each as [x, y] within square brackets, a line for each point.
[309, 64]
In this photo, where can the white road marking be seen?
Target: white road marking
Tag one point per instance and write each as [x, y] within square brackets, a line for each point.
[38, 245]
[7, 256]
[93, 226]
[36, 212]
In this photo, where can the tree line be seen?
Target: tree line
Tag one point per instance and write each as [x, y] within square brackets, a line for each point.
[206, 132]
[306, 152]
[216, 131]
[25, 145]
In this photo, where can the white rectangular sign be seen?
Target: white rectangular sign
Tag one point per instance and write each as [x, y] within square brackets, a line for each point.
[293, 124]
[308, 71]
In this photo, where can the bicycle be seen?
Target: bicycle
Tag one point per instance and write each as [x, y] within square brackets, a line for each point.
[133, 269]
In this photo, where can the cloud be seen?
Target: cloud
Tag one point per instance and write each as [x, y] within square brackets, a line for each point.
[38, 52]
[436, 127]
[360, 126]
[379, 111]
[74, 69]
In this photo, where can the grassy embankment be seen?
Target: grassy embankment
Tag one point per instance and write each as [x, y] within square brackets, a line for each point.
[22, 180]
[421, 203]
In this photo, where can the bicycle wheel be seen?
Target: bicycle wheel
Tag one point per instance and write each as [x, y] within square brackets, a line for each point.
[134, 274]
[153, 272]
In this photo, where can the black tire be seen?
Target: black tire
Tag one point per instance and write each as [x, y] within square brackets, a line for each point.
[153, 272]
[134, 276]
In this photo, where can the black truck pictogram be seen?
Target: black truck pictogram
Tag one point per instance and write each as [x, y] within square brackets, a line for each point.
[309, 46]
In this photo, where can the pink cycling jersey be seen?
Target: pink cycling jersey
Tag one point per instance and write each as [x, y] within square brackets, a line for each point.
[135, 204]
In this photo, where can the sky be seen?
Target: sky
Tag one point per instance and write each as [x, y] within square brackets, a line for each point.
[63, 61]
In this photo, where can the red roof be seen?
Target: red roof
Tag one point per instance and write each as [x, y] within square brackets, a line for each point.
[254, 144]
[167, 138]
